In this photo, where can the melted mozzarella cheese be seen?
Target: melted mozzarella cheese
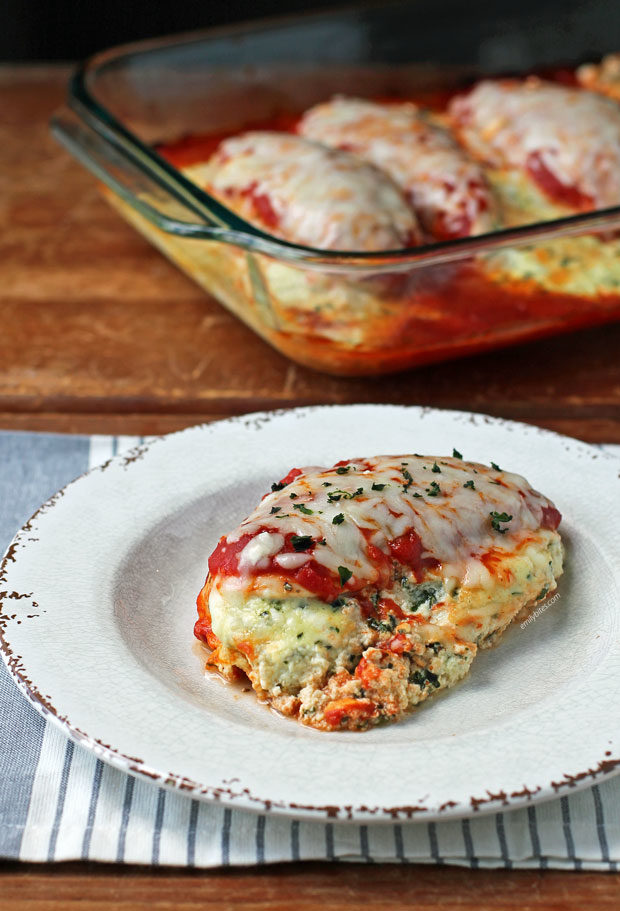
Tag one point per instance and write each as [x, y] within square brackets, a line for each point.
[575, 133]
[452, 521]
[309, 194]
[256, 552]
[447, 188]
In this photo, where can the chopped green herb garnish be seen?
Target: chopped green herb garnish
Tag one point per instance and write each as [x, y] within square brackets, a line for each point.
[543, 592]
[496, 518]
[299, 635]
[327, 484]
[304, 509]
[436, 469]
[345, 574]
[378, 486]
[334, 495]
[275, 509]
[343, 469]
[434, 489]
[470, 484]
[279, 486]
[293, 496]
[418, 496]
[407, 476]
[301, 542]
[496, 467]
[456, 454]
[339, 519]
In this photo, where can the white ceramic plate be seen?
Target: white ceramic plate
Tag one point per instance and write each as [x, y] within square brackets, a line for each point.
[99, 603]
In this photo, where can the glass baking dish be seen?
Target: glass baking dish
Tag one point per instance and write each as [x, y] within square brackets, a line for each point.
[344, 313]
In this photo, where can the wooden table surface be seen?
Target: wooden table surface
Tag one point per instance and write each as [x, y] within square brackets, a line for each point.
[101, 333]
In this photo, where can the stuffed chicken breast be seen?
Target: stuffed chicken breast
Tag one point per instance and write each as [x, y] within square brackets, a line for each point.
[566, 139]
[353, 593]
[308, 194]
[445, 186]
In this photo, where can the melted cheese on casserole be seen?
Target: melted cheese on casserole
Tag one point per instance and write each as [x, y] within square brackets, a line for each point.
[603, 77]
[309, 194]
[574, 134]
[447, 188]
[421, 561]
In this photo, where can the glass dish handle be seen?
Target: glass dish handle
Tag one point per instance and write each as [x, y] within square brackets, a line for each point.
[115, 167]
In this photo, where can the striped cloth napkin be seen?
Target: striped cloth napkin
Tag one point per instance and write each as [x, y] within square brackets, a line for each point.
[58, 802]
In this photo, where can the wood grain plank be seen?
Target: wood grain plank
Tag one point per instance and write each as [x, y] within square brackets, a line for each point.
[302, 887]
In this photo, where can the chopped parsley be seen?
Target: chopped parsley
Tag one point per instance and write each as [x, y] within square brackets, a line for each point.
[456, 454]
[275, 509]
[542, 594]
[417, 495]
[293, 496]
[378, 486]
[327, 484]
[496, 518]
[434, 489]
[407, 476]
[470, 484]
[279, 486]
[301, 542]
[496, 467]
[345, 574]
[436, 469]
[339, 519]
[334, 495]
[304, 509]
[343, 469]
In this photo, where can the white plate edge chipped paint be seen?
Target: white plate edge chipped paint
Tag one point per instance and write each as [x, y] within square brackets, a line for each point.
[72, 644]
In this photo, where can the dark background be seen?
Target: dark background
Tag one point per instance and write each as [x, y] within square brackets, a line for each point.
[73, 29]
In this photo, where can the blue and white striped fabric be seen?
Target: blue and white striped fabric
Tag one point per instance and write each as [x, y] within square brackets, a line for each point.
[58, 802]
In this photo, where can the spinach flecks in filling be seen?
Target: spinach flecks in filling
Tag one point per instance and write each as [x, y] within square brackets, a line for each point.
[421, 593]
[424, 676]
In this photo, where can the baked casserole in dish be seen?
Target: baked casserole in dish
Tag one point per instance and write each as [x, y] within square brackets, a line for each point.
[366, 204]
